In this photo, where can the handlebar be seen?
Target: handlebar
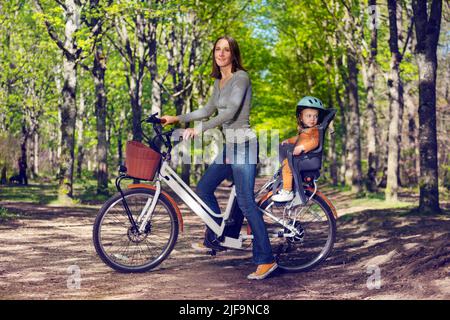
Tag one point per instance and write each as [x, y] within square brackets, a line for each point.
[154, 119]
[160, 134]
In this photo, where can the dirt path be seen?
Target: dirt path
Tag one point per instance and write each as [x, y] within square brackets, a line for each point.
[43, 248]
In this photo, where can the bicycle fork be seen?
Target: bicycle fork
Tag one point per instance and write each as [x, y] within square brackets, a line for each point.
[149, 208]
[147, 211]
[124, 202]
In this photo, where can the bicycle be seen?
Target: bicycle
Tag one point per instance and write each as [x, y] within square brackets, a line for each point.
[136, 229]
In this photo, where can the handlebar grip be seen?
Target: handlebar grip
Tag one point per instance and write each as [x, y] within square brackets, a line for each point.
[154, 119]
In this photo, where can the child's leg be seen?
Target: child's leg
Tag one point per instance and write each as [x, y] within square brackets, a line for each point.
[286, 193]
[286, 170]
[287, 176]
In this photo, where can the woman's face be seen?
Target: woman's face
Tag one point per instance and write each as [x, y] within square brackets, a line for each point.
[310, 117]
[222, 53]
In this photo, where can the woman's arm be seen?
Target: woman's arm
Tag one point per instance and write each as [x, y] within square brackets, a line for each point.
[202, 113]
[238, 91]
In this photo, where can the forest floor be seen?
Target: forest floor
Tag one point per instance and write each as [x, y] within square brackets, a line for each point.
[41, 244]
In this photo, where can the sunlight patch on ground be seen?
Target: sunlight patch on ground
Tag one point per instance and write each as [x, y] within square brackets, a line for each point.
[381, 259]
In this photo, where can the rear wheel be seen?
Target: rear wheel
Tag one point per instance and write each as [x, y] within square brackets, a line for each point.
[124, 248]
[311, 235]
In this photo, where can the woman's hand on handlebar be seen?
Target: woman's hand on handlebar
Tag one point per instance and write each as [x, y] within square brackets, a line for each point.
[189, 133]
[166, 120]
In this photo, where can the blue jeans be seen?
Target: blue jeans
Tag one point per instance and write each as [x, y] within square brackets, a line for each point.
[243, 169]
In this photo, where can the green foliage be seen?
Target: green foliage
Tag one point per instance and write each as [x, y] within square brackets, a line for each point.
[6, 215]
[290, 48]
[41, 194]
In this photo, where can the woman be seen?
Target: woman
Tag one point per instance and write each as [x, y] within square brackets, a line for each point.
[232, 99]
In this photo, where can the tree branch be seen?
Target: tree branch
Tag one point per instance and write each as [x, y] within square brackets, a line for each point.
[61, 4]
[408, 36]
[52, 32]
[122, 53]
[433, 25]
[420, 20]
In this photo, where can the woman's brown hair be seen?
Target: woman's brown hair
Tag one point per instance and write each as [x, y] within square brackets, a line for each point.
[235, 57]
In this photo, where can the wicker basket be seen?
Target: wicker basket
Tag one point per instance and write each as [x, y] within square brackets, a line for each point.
[141, 161]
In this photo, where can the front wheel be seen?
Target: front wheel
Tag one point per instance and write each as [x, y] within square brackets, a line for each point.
[124, 248]
[311, 237]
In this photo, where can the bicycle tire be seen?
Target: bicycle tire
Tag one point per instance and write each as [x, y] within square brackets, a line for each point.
[325, 250]
[117, 261]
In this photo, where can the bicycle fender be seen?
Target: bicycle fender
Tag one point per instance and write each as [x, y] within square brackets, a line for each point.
[318, 193]
[265, 197]
[172, 201]
[324, 198]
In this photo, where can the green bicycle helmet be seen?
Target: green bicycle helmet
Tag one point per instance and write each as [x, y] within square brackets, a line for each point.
[309, 102]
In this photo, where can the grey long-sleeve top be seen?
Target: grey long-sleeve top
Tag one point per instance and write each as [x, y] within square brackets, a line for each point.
[233, 103]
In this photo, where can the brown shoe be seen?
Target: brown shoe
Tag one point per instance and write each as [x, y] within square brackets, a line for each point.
[263, 271]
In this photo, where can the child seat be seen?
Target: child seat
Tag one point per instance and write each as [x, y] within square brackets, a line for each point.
[306, 167]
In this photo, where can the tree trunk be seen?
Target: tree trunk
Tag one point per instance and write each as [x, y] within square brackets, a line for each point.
[427, 33]
[394, 84]
[354, 132]
[332, 156]
[401, 101]
[68, 115]
[80, 134]
[3, 179]
[332, 145]
[135, 60]
[372, 131]
[23, 155]
[59, 137]
[71, 53]
[98, 72]
[410, 162]
[120, 137]
[343, 126]
[182, 79]
[34, 145]
[36, 152]
[135, 100]
[153, 67]
[428, 182]
[100, 113]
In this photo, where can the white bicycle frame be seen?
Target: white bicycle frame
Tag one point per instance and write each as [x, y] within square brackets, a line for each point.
[201, 209]
[197, 205]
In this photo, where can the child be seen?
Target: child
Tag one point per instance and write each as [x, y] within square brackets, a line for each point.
[308, 110]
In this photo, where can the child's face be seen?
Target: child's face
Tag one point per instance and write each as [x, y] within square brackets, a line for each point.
[310, 117]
